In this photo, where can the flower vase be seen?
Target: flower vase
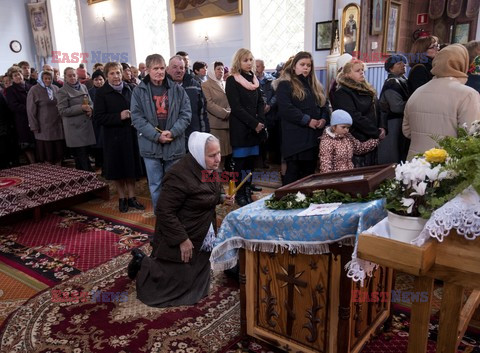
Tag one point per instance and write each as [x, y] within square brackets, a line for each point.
[405, 228]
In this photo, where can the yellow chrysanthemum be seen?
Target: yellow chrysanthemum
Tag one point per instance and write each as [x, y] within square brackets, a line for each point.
[436, 155]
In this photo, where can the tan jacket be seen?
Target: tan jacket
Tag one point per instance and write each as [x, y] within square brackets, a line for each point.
[218, 109]
[438, 108]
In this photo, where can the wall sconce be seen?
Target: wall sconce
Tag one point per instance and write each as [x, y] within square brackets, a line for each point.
[207, 28]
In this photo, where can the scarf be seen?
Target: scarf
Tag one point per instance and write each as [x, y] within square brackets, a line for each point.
[118, 88]
[196, 146]
[475, 66]
[364, 86]
[451, 61]
[211, 76]
[48, 88]
[246, 84]
[75, 86]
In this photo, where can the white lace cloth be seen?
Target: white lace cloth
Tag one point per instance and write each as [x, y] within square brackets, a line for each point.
[462, 213]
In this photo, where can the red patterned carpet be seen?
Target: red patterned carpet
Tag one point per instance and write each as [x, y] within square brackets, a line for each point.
[65, 243]
[124, 324]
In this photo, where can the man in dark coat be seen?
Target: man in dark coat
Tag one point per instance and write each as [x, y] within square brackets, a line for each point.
[198, 103]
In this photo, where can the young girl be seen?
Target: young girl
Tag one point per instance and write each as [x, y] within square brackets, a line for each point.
[337, 145]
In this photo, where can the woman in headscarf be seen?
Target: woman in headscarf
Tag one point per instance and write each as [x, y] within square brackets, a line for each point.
[218, 109]
[45, 120]
[442, 105]
[178, 270]
[75, 107]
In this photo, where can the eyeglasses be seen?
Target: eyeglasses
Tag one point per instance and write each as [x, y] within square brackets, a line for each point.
[434, 46]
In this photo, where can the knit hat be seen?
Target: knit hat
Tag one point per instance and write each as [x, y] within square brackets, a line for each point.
[98, 73]
[340, 116]
[392, 60]
[342, 60]
[475, 66]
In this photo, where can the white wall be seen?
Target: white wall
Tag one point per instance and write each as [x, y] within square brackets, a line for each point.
[15, 25]
[119, 32]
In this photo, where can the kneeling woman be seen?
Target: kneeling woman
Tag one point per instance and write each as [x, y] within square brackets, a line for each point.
[178, 270]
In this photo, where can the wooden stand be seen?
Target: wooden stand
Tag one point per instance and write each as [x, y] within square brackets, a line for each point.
[303, 303]
[455, 261]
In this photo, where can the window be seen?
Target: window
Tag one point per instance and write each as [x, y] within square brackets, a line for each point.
[150, 28]
[276, 29]
[67, 32]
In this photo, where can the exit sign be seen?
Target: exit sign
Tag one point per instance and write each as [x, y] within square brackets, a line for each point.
[422, 19]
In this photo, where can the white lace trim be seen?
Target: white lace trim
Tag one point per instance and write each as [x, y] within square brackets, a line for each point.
[462, 213]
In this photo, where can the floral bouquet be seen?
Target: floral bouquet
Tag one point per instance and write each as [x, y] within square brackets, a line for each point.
[420, 184]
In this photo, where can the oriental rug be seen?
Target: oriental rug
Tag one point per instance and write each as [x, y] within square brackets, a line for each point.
[65, 243]
[72, 317]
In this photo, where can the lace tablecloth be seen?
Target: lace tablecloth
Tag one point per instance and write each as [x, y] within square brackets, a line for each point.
[462, 213]
[257, 228]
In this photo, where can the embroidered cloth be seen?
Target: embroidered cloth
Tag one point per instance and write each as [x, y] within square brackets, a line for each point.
[41, 183]
[258, 228]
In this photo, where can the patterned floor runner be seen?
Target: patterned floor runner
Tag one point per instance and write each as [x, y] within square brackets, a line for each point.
[98, 312]
[65, 243]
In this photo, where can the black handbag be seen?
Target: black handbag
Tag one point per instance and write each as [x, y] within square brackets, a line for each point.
[263, 135]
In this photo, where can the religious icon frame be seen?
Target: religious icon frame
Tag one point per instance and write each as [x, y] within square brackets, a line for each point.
[350, 9]
[461, 33]
[374, 29]
[392, 26]
[324, 33]
[354, 181]
[182, 11]
[91, 2]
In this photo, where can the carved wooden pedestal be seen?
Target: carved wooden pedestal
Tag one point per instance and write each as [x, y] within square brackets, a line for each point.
[303, 303]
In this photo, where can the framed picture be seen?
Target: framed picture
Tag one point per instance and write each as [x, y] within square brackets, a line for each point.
[392, 24]
[350, 42]
[461, 32]
[91, 2]
[184, 10]
[377, 17]
[324, 33]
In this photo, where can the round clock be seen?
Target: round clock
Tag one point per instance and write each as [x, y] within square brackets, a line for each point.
[15, 46]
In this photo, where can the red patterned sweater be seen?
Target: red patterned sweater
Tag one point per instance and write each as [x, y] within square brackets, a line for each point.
[336, 152]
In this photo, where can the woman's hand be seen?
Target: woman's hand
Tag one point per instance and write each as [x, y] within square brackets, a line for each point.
[186, 250]
[87, 109]
[321, 123]
[229, 200]
[125, 114]
[313, 124]
[382, 133]
[259, 127]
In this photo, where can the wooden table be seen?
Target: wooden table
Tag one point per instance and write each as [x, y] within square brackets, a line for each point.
[455, 261]
[303, 303]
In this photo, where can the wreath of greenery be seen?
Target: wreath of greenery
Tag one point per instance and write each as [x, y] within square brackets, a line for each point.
[299, 200]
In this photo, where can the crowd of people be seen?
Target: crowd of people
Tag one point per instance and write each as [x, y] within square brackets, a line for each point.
[173, 124]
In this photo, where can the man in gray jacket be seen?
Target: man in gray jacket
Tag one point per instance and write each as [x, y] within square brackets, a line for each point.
[161, 113]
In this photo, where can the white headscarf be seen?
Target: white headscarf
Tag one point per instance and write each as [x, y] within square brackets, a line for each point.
[48, 88]
[196, 146]
[211, 76]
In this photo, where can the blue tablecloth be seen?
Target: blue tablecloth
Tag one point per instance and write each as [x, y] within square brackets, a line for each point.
[257, 228]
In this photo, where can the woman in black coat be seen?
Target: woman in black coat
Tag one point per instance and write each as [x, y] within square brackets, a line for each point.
[17, 101]
[120, 145]
[303, 115]
[357, 97]
[247, 120]
[422, 54]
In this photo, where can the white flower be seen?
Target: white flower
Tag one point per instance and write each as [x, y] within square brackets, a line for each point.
[299, 197]
[419, 189]
[408, 203]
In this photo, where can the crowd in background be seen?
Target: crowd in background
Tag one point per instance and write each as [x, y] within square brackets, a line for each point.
[133, 121]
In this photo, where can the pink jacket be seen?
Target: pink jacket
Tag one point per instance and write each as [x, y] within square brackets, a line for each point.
[336, 152]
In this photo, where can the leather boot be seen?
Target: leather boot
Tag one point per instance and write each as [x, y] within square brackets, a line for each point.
[132, 202]
[136, 263]
[123, 205]
[248, 194]
[241, 197]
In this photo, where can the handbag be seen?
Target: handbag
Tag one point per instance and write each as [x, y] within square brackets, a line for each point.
[263, 135]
